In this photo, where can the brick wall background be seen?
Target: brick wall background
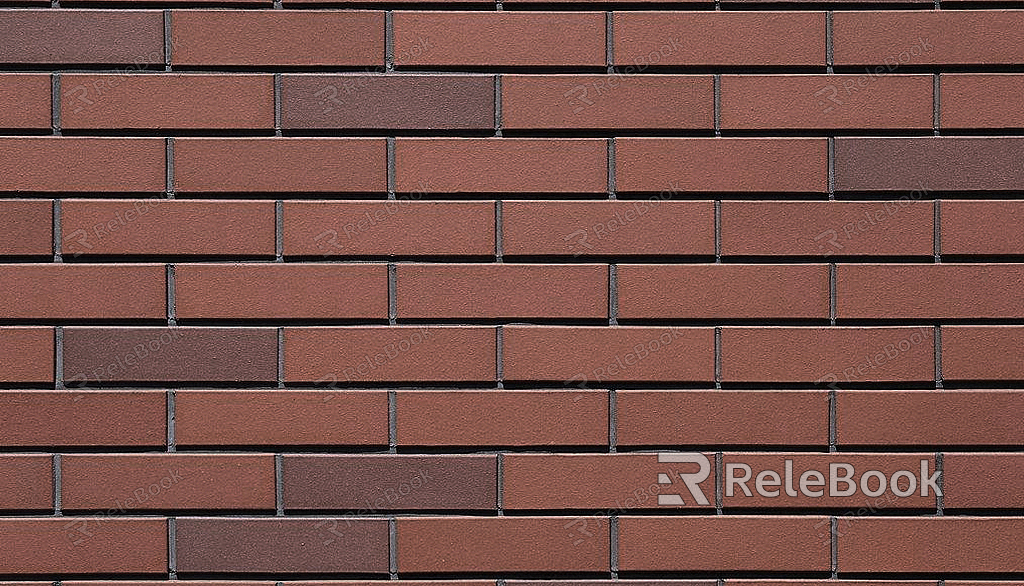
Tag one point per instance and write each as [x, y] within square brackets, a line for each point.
[416, 291]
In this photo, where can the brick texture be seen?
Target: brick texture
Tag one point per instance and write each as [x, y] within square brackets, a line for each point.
[513, 293]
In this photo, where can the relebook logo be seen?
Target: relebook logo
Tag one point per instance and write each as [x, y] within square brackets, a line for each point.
[840, 480]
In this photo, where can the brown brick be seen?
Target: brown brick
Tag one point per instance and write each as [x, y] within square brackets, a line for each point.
[167, 101]
[27, 97]
[389, 353]
[903, 37]
[66, 291]
[981, 100]
[324, 417]
[643, 39]
[933, 291]
[275, 37]
[501, 544]
[269, 545]
[929, 417]
[590, 355]
[47, 164]
[97, 355]
[708, 418]
[440, 102]
[925, 164]
[723, 543]
[83, 545]
[519, 165]
[81, 37]
[717, 164]
[390, 482]
[388, 228]
[279, 291]
[982, 227]
[607, 101]
[827, 228]
[279, 165]
[499, 38]
[760, 102]
[26, 481]
[983, 353]
[718, 291]
[937, 544]
[469, 291]
[167, 227]
[597, 481]
[502, 418]
[983, 481]
[828, 355]
[166, 481]
[83, 418]
[26, 355]
[26, 227]
[622, 228]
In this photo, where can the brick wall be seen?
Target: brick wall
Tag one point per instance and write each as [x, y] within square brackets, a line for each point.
[527, 294]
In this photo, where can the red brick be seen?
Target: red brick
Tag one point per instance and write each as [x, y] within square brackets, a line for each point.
[721, 164]
[438, 291]
[83, 545]
[395, 353]
[497, 39]
[723, 543]
[79, 417]
[442, 102]
[27, 97]
[388, 228]
[983, 481]
[81, 37]
[983, 353]
[502, 418]
[597, 481]
[281, 418]
[643, 39]
[590, 355]
[607, 101]
[167, 101]
[934, 291]
[26, 482]
[181, 481]
[46, 164]
[719, 291]
[827, 228]
[691, 418]
[27, 355]
[936, 544]
[79, 291]
[981, 100]
[264, 545]
[982, 227]
[828, 355]
[501, 544]
[791, 492]
[169, 354]
[518, 165]
[275, 37]
[622, 228]
[167, 227]
[390, 482]
[759, 102]
[279, 165]
[919, 37]
[279, 291]
[26, 227]
[929, 417]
